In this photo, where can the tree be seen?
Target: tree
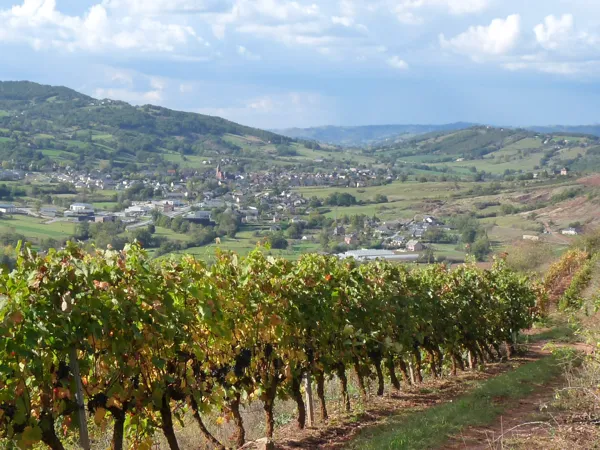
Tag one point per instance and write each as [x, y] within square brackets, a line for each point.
[294, 231]
[228, 223]
[324, 240]
[481, 247]
[380, 198]
[341, 199]
[276, 241]
[82, 231]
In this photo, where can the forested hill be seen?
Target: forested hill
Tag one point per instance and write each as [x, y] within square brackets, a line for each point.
[56, 123]
[579, 129]
[365, 135]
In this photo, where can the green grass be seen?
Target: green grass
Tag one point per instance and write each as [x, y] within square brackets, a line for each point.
[409, 190]
[170, 234]
[35, 228]
[102, 137]
[61, 154]
[449, 252]
[431, 428]
[104, 205]
[77, 144]
[5, 139]
[4, 113]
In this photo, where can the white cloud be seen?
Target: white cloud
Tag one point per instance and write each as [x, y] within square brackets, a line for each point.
[247, 54]
[560, 49]
[40, 24]
[559, 34]
[564, 68]
[407, 11]
[121, 77]
[130, 96]
[185, 88]
[158, 84]
[276, 110]
[554, 32]
[347, 8]
[160, 7]
[343, 20]
[397, 63]
[498, 38]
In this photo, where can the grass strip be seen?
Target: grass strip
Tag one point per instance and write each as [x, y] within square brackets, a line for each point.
[431, 427]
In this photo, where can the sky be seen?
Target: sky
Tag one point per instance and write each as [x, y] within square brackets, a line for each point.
[279, 63]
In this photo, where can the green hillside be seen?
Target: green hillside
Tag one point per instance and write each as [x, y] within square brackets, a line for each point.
[494, 150]
[41, 125]
[366, 135]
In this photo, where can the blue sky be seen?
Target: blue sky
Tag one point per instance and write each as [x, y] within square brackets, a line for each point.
[280, 63]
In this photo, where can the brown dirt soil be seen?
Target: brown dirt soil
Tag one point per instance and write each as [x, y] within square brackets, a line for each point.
[342, 428]
[579, 208]
[530, 423]
[591, 180]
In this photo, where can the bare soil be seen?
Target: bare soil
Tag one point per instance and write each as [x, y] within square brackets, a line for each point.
[531, 422]
[342, 428]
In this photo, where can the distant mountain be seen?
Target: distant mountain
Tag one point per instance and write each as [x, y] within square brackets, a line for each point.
[494, 150]
[365, 135]
[43, 125]
[577, 129]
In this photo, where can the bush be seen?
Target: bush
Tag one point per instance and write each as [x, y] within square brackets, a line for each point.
[276, 241]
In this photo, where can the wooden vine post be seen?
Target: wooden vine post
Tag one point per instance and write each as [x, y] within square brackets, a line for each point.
[84, 439]
[310, 407]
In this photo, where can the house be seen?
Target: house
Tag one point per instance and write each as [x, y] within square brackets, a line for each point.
[138, 210]
[396, 241]
[529, 237]
[570, 231]
[564, 171]
[48, 212]
[351, 239]
[81, 208]
[201, 217]
[7, 208]
[371, 254]
[105, 219]
[414, 246]
[431, 220]
[339, 231]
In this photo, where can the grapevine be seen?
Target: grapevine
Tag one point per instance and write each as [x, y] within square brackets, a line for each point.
[156, 340]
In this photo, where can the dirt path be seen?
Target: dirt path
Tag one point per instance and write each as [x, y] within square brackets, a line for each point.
[559, 237]
[343, 428]
[525, 421]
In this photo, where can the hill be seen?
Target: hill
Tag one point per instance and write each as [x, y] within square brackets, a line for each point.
[365, 135]
[494, 150]
[44, 125]
[578, 129]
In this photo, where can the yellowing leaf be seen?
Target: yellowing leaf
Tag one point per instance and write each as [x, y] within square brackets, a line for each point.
[99, 416]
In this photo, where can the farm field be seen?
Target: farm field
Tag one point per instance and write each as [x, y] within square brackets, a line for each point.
[409, 190]
[35, 228]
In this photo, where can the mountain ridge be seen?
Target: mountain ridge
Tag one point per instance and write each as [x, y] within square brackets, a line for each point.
[362, 135]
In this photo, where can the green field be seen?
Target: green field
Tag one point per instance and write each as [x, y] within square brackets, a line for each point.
[35, 228]
[102, 137]
[171, 235]
[409, 190]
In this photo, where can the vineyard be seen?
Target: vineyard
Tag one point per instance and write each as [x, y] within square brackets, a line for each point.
[137, 345]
